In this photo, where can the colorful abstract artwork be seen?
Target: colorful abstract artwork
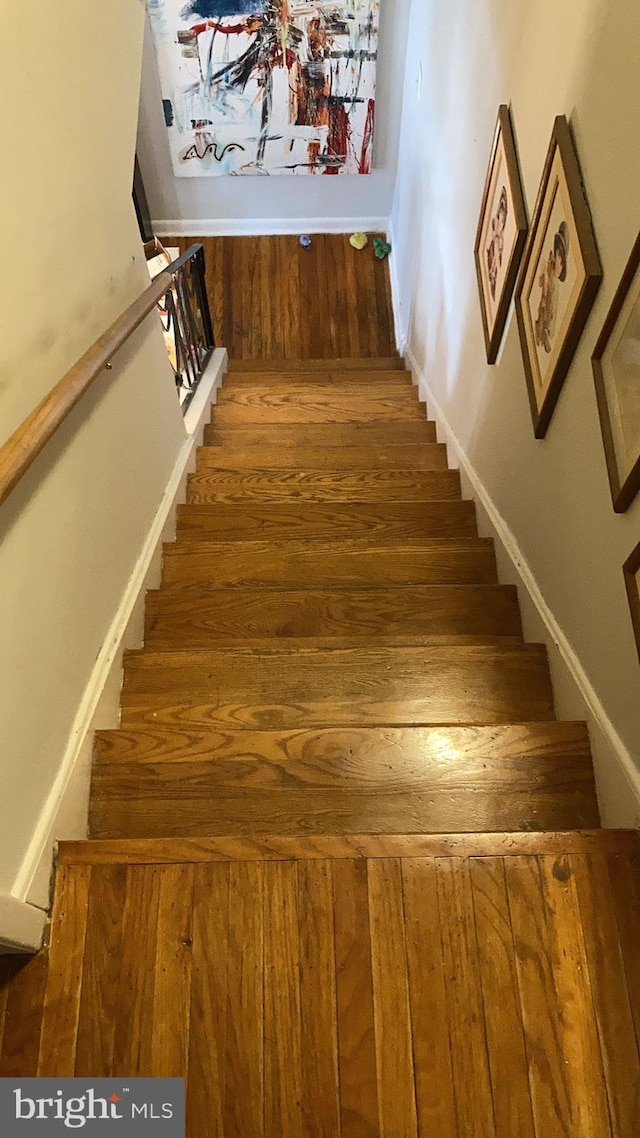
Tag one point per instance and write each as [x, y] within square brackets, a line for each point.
[265, 87]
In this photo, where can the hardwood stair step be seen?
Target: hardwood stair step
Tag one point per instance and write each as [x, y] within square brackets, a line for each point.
[347, 363]
[194, 615]
[322, 687]
[330, 376]
[510, 846]
[164, 783]
[314, 565]
[328, 435]
[400, 456]
[324, 521]
[317, 395]
[252, 409]
[323, 486]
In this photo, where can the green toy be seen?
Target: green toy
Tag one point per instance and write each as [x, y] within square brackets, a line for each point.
[381, 248]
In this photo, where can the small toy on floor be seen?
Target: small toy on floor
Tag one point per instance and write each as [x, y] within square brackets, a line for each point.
[381, 248]
[305, 240]
[359, 240]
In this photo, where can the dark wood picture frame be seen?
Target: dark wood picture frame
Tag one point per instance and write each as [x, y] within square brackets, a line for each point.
[631, 569]
[623, 490]
[504, 139]
[589, 279]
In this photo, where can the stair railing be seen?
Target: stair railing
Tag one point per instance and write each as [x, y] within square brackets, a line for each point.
[179, 290]
[185, 318]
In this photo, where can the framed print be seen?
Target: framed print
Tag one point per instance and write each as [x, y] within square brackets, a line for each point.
[632, 581]
[501, 235]
[560, 276]
[616, 369]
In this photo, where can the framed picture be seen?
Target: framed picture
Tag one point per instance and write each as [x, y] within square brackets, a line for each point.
[632, 581]
[502, 233]
[561, 274]
[616, 368]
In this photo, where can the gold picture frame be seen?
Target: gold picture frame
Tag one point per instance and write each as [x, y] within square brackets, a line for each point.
[560, 276]
[501, 233]
[616, 370]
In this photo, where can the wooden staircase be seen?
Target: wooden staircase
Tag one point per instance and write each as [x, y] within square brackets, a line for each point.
[345, 872]
[330, 650]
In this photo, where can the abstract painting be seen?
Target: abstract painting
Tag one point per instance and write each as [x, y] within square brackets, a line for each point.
[561, 274]
[259, 87]
[501, 235]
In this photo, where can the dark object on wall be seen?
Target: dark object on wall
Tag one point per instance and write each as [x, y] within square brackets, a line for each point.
[561, 274]
[141, 204]
[616, 369]
[501, 235]
[632, 581]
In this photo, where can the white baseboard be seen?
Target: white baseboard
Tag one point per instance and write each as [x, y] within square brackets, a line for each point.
[399, 323]
[617, 776]
[65, 813]
[265, 226]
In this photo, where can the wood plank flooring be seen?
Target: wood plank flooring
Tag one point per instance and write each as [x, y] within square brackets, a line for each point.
[271, 299]
[466, 988]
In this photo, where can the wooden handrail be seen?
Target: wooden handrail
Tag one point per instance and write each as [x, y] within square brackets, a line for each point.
[26, 443]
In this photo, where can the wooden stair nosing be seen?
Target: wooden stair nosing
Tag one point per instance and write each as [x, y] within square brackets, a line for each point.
[596, 843]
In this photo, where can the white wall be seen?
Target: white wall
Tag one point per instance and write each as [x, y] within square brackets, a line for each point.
[209, 206]
[579, 58]
[71, 533]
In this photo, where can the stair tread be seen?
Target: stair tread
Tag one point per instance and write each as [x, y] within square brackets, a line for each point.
[363, 407]
[195, 614]
[330, 376]
[351, 395]
[331, 435]
[314, 564]
[394, 757]
[283, 687]
[329, 520]
[323, 485]
[425, 456]
[346, 363]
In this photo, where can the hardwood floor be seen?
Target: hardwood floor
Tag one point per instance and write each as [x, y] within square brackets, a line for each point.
[364, 986]
[345, 873]
[271, 299]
